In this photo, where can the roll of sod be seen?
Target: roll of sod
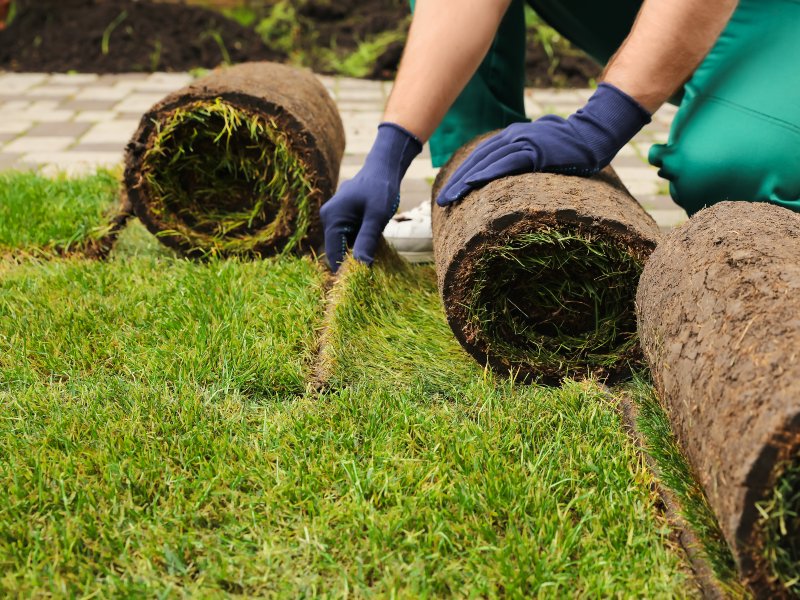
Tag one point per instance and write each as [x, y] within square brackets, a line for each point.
[238, 163]
[538, 272]
[718, 309]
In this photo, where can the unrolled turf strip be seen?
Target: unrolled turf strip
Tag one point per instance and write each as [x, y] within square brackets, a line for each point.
[51, 216]
[238, 162]
[719, 318]
[538, 272]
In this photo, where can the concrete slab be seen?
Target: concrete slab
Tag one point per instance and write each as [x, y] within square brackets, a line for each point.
[110, 132]
[71, 162]
[15, 126]
[176, 79]
[630, 160]
[109, 148]
[668, 219]
[138, 102]
[640, 173]
[10, 161]
[25, 144]
[58, 129]
[55, 115]
[98, 92]
[93, 105]
[13, 106]
[95, 116]
[17, 83]
[54, 91]
[112, 78]
[77, 79]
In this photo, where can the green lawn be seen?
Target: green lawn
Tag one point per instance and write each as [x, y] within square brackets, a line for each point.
[161, 436]
[38, 213]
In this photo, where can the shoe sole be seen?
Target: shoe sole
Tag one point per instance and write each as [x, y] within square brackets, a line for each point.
[418, 257]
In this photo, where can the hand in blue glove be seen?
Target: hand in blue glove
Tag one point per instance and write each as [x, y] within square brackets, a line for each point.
[582, 144]
[361, 209]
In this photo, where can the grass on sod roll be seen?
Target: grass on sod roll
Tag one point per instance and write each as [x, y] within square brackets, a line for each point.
[226, 179]
[40, 213]
[135, 241]
[675, 474]
[557, 298]
[780, 521]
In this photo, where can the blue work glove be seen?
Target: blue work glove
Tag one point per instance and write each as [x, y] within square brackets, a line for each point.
[360, 210]
[582, 144]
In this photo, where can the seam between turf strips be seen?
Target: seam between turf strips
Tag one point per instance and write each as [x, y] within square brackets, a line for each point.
[688, 540]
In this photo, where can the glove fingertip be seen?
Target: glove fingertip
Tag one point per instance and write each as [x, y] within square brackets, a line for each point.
[335, 249]
[367, 243]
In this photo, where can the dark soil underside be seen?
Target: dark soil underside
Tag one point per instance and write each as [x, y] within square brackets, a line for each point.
[118, 36]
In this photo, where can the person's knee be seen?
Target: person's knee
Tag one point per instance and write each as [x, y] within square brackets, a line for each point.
[703, 170]
[696, 177]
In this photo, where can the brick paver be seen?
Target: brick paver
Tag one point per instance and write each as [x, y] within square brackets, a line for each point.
[75, 123]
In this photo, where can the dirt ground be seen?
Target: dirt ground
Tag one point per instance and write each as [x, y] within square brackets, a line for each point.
[108, 36]
[123, 36]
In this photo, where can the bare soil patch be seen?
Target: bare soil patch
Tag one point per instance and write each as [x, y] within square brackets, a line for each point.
[120, 36]
[96, 36]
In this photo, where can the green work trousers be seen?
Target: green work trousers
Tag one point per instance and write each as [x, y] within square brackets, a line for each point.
[736, 135]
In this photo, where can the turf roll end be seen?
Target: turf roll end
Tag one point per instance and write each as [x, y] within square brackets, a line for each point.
[718, 318]
[237, 163]
[352, 293]
[538, 273]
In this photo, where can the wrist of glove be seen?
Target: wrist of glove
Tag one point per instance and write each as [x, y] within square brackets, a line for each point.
[360, 210]
[582, 144]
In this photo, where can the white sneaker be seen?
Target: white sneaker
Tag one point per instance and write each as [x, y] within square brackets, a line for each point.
[410, 234]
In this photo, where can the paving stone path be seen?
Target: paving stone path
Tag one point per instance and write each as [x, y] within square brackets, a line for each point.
[75, 123]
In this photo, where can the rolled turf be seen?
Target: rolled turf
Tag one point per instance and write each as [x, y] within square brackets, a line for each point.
[718, 318]
[538, 272]
[237, 163]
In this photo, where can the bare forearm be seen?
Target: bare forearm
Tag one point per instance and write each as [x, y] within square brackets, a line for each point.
[446, 44]
[667, 43]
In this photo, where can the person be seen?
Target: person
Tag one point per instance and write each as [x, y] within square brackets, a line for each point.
[732, 66]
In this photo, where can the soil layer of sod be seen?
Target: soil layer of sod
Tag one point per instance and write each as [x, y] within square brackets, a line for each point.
[717, 309]
[538, 272]
[121, 36]
[238, 163]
